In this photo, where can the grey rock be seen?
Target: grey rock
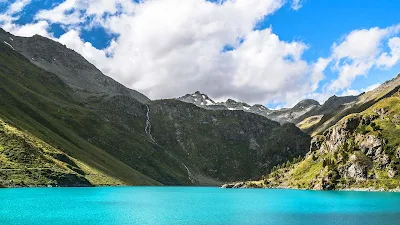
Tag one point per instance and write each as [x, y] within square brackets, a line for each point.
[238, 185]
[396, 119]
[392, 172]
[398, 153]
[371, 146]
[316, 143]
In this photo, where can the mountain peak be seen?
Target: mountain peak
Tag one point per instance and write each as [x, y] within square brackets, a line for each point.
[71, 67]
[198, 99]
[306, 103]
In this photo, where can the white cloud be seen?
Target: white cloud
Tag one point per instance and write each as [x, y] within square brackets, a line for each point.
[29, 30]
[163, 55]
[390, 59]
[9, 15]
[360, 51]
[348, 92]
[297, 4]
[167, 48]
[67, 12]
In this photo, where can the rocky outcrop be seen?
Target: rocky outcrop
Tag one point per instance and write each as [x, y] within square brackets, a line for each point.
[361, 151]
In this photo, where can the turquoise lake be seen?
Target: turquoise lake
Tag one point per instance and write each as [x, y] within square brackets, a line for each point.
[195, 205]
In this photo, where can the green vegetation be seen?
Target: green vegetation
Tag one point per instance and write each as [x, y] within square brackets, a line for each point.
[28, 161]
[360, 151]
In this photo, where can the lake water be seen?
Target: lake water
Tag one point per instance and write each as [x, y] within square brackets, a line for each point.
[195, 205]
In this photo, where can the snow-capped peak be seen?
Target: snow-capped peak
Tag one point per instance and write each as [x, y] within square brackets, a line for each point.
[198, 99]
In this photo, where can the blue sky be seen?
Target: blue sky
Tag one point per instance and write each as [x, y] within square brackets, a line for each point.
[166, 48]
[319, 23]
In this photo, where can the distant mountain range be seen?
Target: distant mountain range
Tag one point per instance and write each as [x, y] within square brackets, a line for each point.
[305, 114]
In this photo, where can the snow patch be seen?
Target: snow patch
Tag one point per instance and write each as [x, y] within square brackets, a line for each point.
[11, 39]
[9, 45]
[208, 102]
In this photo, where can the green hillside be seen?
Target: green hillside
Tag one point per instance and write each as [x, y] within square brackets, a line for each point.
[28, 161]
[360, 151]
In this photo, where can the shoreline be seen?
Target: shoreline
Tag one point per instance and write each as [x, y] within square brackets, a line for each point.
[232, 186]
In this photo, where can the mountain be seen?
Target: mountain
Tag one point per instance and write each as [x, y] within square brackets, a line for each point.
[310, 120]
[22, 153]
[292, 115]
[288, 115]
[84, 78]
[337, 108]
[361, 151]
[62, 100]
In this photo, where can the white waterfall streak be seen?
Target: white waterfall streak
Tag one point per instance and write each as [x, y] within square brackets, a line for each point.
[189, 174]
[147, 129]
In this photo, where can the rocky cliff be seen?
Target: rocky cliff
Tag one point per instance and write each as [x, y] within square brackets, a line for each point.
[360, 151]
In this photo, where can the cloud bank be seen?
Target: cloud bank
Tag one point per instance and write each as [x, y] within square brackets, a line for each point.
[167, 48]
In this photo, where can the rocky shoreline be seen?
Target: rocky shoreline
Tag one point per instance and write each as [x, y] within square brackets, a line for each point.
[252, 185]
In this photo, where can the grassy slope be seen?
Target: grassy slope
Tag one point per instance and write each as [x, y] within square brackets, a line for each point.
[323, 166]
[40, 103]
[26, 160]
[362, 103]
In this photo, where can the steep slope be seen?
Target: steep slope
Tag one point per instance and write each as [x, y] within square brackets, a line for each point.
[226, 145]
[28, 161]
[360, 151]
[292, 115]
[84, 78]
[138, 143]
[311, 119]
[359, 104]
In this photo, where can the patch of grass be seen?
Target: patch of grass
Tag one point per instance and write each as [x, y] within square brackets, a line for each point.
[309, 122]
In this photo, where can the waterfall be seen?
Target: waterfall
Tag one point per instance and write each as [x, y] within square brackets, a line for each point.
[189, 174]
[147, 129]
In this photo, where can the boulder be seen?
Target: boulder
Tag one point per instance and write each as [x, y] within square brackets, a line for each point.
[396, 119]
[398, 153]
[392, 172]
[383, 161]
[238, 185]
[357, 167]
[316, 143]
[350, 124]
[371, 146]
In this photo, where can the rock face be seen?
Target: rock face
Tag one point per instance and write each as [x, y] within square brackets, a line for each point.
[198, 99]
[224, 144]
[360, 151]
